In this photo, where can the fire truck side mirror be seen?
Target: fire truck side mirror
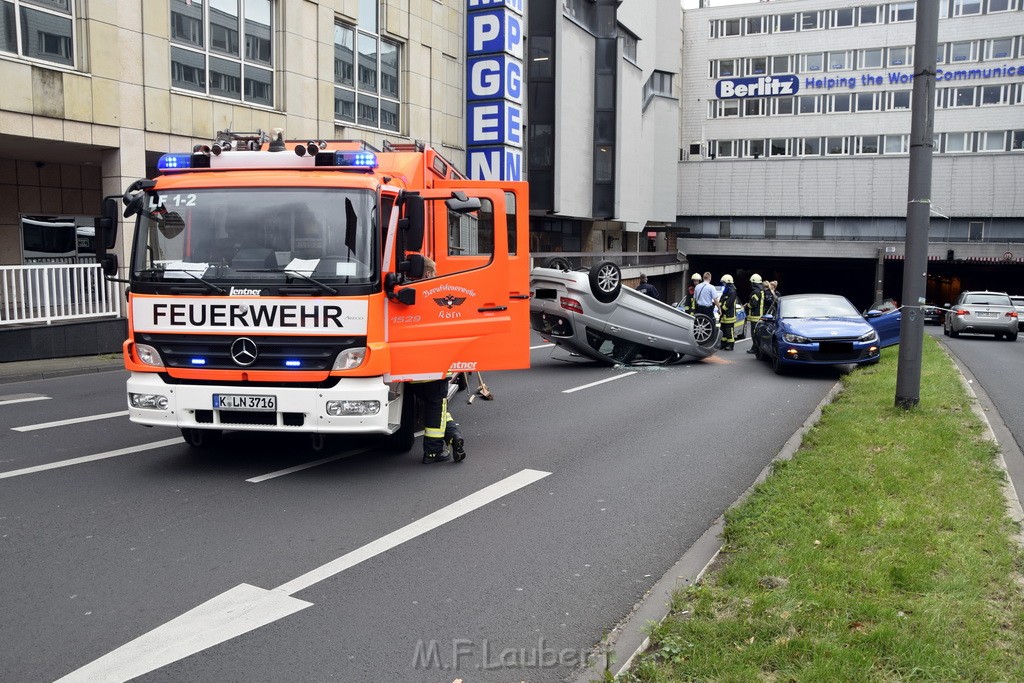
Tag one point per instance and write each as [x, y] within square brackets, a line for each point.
[413, 225]
[106, 226]
[109, 264]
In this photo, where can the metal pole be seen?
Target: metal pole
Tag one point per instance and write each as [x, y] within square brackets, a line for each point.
[915, 265]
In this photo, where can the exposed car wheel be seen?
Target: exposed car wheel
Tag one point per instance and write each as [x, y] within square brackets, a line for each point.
[1012, 336]
[777, 365]
[558, 263]
[605, 281]
[945, 330]
[953, 333]
[703, 329]
[758, 353]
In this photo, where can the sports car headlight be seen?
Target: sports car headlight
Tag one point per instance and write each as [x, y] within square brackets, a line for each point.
[868, 337]
[796, 339]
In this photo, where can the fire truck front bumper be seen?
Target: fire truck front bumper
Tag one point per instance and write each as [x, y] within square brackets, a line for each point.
[356, 405]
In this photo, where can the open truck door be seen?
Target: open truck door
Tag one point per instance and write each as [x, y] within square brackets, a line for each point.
[473, 315]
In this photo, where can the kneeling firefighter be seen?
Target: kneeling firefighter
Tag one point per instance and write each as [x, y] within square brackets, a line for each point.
[727, 310]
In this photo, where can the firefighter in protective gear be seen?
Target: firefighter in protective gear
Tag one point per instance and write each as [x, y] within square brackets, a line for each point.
[727, 310]
[691, 299]
[757, 306]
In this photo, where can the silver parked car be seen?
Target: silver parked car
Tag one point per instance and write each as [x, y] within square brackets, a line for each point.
[982, 313]
[590, 313]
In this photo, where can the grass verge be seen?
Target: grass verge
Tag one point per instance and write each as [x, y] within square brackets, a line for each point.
[881, 551]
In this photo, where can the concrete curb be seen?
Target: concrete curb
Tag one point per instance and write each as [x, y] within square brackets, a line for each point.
[25, 371]
[629, 638]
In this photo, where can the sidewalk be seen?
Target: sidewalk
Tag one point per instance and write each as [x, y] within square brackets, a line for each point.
[21, 371]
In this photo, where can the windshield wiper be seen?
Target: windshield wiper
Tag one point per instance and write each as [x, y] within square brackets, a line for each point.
[209, 285]
[322, 285]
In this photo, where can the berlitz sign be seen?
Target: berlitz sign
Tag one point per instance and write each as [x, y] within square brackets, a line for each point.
[763, 86]
[494, 89]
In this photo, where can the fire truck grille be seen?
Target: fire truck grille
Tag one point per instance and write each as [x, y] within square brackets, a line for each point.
[271, 352]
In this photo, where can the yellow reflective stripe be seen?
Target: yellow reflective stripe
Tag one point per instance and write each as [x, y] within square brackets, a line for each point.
[434, 432]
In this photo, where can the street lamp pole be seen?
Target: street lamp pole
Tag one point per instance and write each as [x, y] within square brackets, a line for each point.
[915, 265]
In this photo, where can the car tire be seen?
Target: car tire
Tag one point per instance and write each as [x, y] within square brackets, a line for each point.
[1012, 336]
[703, 330]
[945, 330]
[777, 367]
[953, 333]
[605, 281]
[758, 354]
[557, 263]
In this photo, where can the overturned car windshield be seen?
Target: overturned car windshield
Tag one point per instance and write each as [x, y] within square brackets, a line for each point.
[261, 236]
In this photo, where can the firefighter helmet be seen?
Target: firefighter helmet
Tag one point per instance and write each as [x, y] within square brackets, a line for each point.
[755, 279]
[695, 277]
[727, 279]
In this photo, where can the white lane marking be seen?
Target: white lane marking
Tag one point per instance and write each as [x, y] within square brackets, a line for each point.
[602, 381]
[91, 458]
[541, 346]
[22, 399]
[245, 607]
[306, 466]
[70, 421]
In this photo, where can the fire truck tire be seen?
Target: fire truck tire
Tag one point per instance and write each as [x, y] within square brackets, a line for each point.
[403, 440]
[200, 438]
[605, 281]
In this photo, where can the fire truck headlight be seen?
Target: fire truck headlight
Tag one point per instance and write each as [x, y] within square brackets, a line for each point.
[350, 358]
[153, 401]
[148, 355]
[341, 408]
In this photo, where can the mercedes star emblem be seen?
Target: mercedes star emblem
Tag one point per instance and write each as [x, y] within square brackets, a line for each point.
[244, 351]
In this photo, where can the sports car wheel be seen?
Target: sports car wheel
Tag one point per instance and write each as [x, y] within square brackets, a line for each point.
[777, 365]
[605, 281]
[758, 354]
[558, 263]
[703, 329]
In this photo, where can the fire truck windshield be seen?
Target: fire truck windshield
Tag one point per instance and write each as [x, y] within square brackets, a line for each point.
[258, 237]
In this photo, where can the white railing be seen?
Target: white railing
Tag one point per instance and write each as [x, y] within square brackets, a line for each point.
[56, 292]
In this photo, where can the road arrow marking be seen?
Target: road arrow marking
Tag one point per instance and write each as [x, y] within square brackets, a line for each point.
[246, 608]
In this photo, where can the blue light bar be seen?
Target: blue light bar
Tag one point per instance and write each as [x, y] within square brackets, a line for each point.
[359, 159]
[174, 162]
[198, 361]
[293, 363]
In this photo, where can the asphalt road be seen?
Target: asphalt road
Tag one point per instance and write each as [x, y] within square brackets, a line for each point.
[614, 472]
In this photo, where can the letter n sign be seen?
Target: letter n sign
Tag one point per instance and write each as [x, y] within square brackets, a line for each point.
[494, 89]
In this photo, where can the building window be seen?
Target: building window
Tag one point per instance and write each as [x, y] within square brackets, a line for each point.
[992, 141]
[810, 21]
[730, 27]
[975, 231]
[1001, 6]
[782, 64]
[725, 68]
[726, 149]
[958, 143]
[629, 42]
[660, 83]
[867, 144]
[841, 103]
[754, 106]
[1017, 140]
[961, 97]
[755, 148]
[901, 11]
[867, 101]
[223, 48]
[870, 59]
[783, 106]
[840, 61]
[814, 61]
[899, 99]
[817, 230]
[779, 147]
[810, 147]
[998, 48]
[784, 23]
[724, 228]
[901, 56]
[841, 18]
[756, 25]
[808, 104]
[757, 66]
[894, 144]
[46, 30]
[993, 95]
[961, 52]
[770, 228]
[727, 108]
[366, 73]
[872, 14]
[940, 53]
[836, 146]
[964, 8]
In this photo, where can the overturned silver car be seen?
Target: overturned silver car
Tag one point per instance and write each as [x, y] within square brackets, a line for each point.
[590, 313]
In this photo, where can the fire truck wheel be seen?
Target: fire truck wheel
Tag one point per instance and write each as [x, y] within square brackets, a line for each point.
[200, 438]
[605, 281]
[403, 440]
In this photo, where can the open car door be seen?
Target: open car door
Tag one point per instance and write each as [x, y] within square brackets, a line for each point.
[473, 315]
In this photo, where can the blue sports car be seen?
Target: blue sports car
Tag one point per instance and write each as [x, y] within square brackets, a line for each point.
[823, 329]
